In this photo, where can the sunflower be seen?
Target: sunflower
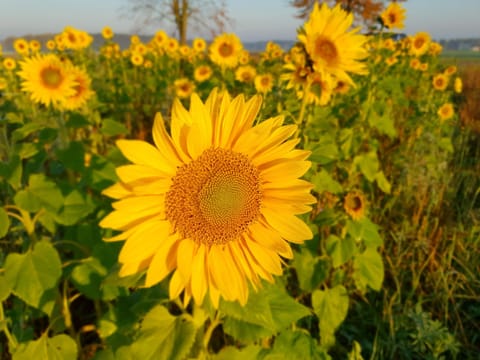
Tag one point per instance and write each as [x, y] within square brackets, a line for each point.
[393, 16]
[354, 204]
[458, 85]
[46, 78]
[21, 46]
[9, 63]
[263, 83]
[107, 32]
[225, 50]
[244, 57]
[450, 70]
[420, 43]
[51, 44]
[34, 46]
[245, 73]
[446, 111]
[136, 59]
[214, 202]
[183, 87]
[202, 73]
[82, 89]
[320, 89]
[440, 82]
[199, 45]
[3, 83]
[331, 48]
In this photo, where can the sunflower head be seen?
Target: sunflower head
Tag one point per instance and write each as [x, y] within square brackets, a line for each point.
[183, 88]
[263, 83]
[202, 73]
[331, 47]
[107, 32]
[420, 43]
[393, 16]
[225, 50]
[245, 73]
[214, 202]
[446, 111]
[355, 204]
[440, 82]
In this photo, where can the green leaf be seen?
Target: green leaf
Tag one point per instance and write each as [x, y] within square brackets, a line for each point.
[4, 222]
[311, 271]
[233, 353]
[33, 274]
[163, 336]
[41, 192]
[368, 164]
[323, 181]
[59, 347]
[298, 345]
[383, 183]
[5, 289]
[74, 208]
[364, 230]
[112, 128]
[267, 311]
[368, 270]
[73, 156]
[340, 250]
[27, 129]
[331, 307]
[324, 151]
[12, 171]
[384, 123]
[77, 121]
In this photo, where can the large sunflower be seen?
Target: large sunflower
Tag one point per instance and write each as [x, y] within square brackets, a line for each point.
[47, 80]
[393, 16]
[82, 89]
[225, 50]
[214, 202]
[330, 46]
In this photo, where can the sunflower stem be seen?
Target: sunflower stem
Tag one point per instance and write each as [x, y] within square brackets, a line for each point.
[208, 333]
[301, 116]
[12, 342]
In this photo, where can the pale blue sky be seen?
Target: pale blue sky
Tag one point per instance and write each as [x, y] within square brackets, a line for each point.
[253, 19]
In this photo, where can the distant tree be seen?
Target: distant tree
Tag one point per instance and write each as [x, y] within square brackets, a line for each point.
[207, 15]
[365, 11]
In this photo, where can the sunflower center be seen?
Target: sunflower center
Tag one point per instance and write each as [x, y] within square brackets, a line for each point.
[392, 18]
[418, 43]
[326, 50]
[225, 50]
[213, 199]
[51, 77]
[355, 203]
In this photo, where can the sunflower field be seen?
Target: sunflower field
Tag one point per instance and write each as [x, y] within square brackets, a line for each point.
[169, 201]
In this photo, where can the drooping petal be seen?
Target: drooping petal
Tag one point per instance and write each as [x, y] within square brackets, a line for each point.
[163, 262]
[288, 226]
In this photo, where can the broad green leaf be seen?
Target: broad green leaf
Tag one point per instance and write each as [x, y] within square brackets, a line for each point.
[233, 353]
[41, 192]
[73, 156]
[383, 183]
[163, 336]
[331, 307]
[364, 230]
[26, 149]
[112, 128]
[368, 164]
[323, 181]
[368, 270]
[383, 123]
[267, 311]
[87, 277]
[74, 208]
[324, 151]
[296, 345]
[340, 250]
[12, 171]
[5, 288]
[445, 143]
[25, 130]
[311, 271]
[77, 121]
[345, 140]
[33, 275]
[4, 222]
[59, 347]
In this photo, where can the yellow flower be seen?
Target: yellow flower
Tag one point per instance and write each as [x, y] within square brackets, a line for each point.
[35, 46]
[82, 89]
[160, 38]
[435, 48]
[199, 45]
[263, 83]
[46, 79]
[183, 88]
[9, 63]
[458, 85]
[420, 44]
[391, 60]
[320, 89]
[172, 45]
[452, 69]
[415, 63]
[51, 44]
[202, 73]
[107, 32]
[354, 204]
[440, 82]
[244, 57]
[446, 111]
[225, 50]
[331, 48]
[245, 73]
[21, 46]
[215, 201]
[136, 59]
[393, 16]
[3, 83]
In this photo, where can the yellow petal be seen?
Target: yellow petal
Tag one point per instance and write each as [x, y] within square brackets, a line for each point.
[135, 267]
[288, 226]
[176, 285]
[124, 219]
[164, 144]
[163, 262]
[142, 153]
[131, 173]
[199, 281]
[180, 128]
[270, 239]
[117, 191]
[200, 136]
[140, 203]
[145, 241]
[285, 170]
[278, 152]
[250, 139]
[185, 256]
[268, 259]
